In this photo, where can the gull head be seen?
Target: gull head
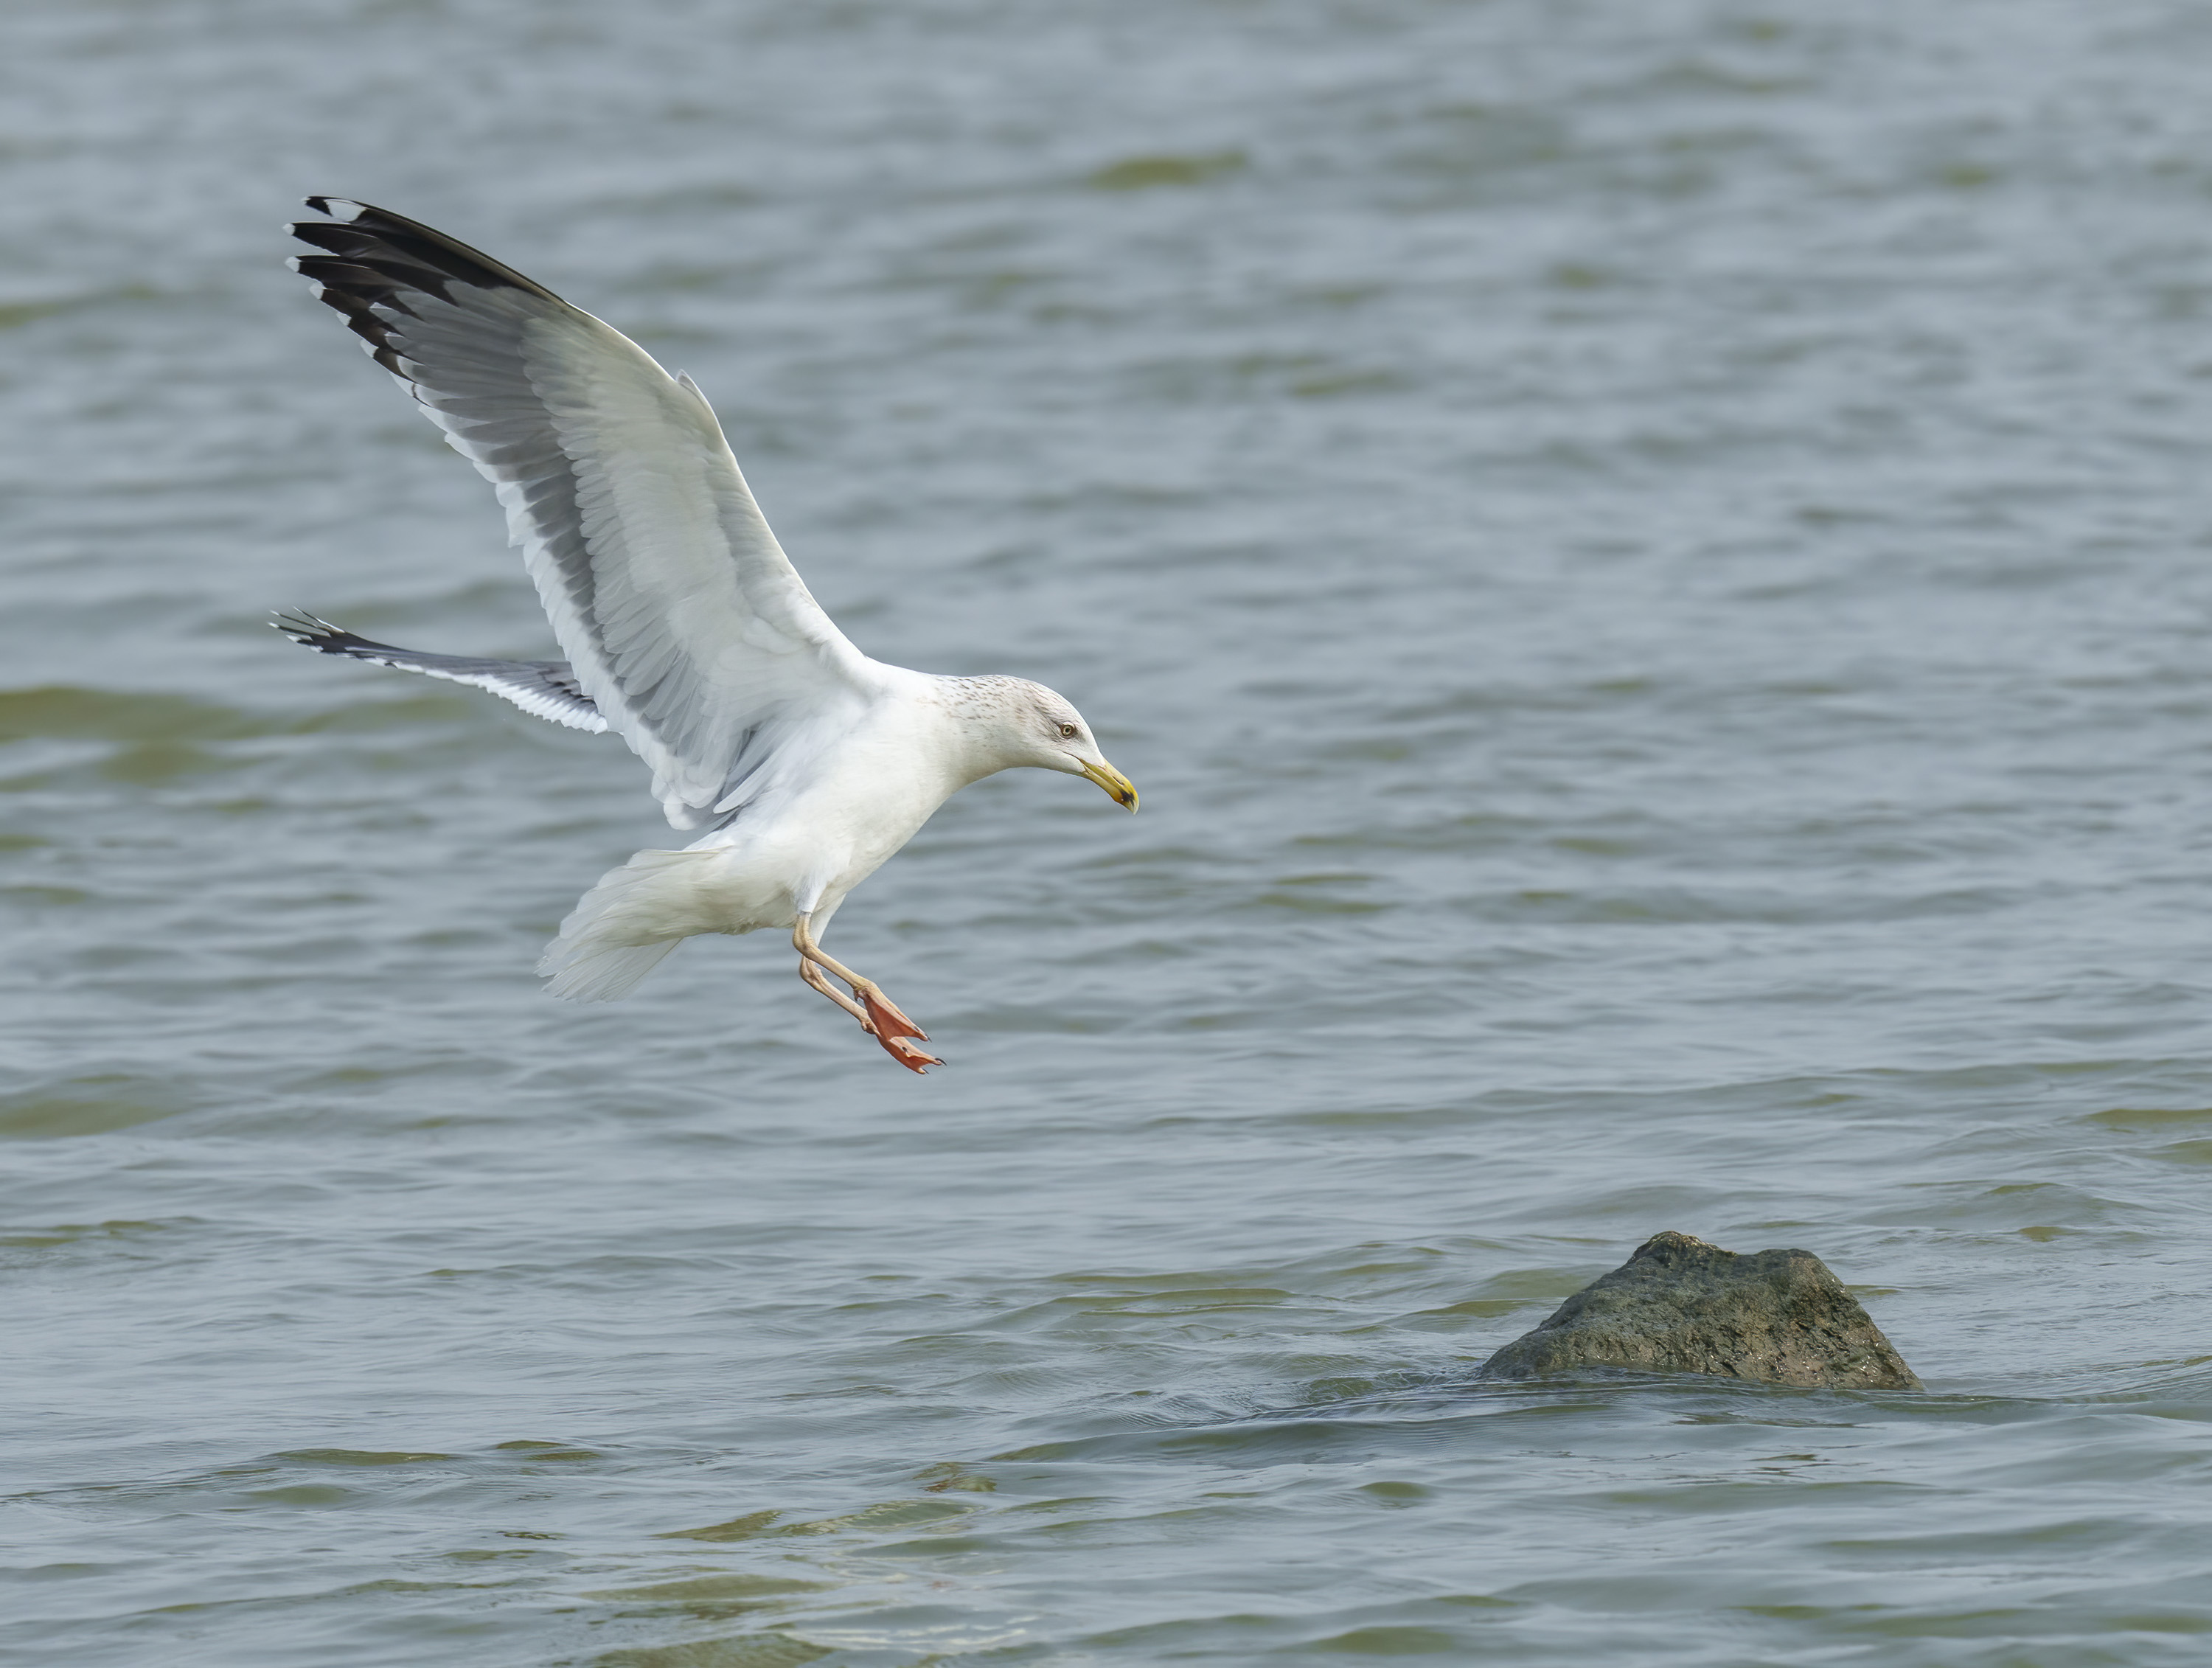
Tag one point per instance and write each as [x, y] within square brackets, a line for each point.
[1014, 722]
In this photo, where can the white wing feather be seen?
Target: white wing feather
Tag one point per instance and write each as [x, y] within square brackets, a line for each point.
[686, 623]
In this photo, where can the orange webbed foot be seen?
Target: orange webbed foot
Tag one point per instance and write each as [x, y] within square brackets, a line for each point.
[906, 1054]
[884, 1019]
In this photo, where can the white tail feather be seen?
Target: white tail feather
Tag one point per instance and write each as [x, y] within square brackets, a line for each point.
[605, 977]
[619, 930]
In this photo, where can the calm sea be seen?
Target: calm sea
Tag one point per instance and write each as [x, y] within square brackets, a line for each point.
[1649, 559]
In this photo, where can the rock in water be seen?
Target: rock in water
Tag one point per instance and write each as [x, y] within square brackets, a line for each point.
[1681, 1306]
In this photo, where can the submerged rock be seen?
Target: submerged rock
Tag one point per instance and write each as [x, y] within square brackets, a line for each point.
[1681, 1306]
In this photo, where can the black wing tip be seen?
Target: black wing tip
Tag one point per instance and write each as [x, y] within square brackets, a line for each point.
[312, 631]
[303, 627]
[396, 254]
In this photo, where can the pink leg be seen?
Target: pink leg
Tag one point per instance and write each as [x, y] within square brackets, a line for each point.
[878, 1014]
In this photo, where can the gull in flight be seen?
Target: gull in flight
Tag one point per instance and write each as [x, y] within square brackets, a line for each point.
[688, 632]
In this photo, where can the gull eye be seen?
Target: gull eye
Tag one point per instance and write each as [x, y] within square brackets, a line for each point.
[1068, 730]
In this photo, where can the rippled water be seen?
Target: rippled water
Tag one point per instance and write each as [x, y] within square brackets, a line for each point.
[1649, 560]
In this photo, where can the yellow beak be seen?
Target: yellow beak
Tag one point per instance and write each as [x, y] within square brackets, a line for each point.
[1119, 788]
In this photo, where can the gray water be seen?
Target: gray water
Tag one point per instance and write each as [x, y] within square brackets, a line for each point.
[1649, 560]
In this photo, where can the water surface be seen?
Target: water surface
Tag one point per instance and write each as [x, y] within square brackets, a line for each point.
[1649, 561]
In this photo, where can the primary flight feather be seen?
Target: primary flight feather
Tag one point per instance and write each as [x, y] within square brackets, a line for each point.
[688, 631]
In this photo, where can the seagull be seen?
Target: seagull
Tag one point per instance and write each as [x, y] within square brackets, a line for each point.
[688, 632]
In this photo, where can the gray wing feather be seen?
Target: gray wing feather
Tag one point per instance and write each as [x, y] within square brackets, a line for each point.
[544, 689]
[688, 628]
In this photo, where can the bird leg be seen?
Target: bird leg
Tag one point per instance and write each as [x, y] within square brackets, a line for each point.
[878, 1016]
[815, 976]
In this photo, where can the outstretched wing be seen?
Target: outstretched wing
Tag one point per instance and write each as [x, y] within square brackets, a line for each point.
[543, 689]
[688, 628]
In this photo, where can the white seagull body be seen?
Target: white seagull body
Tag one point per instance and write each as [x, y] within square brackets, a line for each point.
[687, 629]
